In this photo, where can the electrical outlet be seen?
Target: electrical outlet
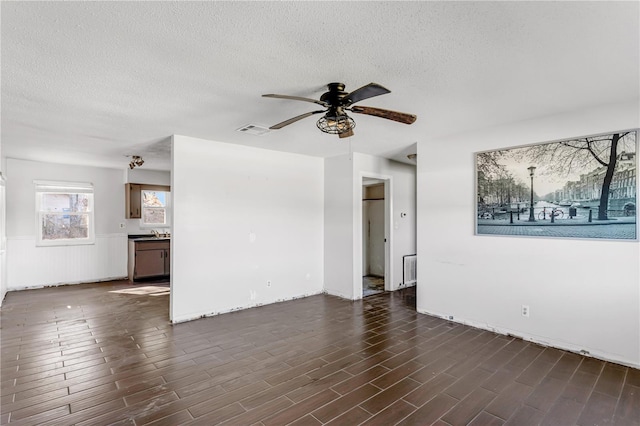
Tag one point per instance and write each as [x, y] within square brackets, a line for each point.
[525, 310]
[268, 283]
[123, 225]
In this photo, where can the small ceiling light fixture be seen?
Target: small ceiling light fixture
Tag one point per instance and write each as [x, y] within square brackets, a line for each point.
[136, 160]
[412, 156]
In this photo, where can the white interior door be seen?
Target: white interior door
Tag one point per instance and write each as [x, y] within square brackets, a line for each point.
[375, 238]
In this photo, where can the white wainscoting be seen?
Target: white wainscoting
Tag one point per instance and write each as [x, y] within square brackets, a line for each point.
[29, 266]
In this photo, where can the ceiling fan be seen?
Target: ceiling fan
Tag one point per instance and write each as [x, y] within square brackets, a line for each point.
[336, 102]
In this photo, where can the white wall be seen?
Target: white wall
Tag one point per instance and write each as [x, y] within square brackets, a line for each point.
[149, 177]
[3, 238]
[339, 202]
[583, 294]
[3, 232]
[343, 217]
[243, 216]
[31, 266]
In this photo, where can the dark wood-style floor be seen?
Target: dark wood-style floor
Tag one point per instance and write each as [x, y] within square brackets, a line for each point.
[80, 355]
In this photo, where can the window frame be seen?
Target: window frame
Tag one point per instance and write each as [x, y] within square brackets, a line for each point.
[167, 207]
[55, 187]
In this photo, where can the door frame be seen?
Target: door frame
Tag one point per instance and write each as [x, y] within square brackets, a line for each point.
[388, 233]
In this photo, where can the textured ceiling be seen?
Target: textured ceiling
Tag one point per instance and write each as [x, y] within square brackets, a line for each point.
[91, 82]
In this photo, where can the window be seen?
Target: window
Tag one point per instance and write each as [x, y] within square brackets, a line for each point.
[64, 213]
[155, 208]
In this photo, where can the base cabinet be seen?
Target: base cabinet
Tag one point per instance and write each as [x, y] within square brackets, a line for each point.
[149, 259]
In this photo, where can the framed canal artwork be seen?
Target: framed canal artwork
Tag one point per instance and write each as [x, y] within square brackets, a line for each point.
[585, 187]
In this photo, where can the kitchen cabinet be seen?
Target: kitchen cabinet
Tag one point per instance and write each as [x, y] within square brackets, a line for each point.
[133, 200]
[149, 257]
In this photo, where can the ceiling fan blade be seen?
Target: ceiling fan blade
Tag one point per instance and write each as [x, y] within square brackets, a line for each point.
[294, 119]
[400, 117]
[365, 92]
[296, 98]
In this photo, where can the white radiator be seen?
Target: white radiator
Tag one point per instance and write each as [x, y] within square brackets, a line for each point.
[409, 263]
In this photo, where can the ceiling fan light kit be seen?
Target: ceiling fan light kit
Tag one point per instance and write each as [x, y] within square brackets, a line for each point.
[337, 101]
[336, 124]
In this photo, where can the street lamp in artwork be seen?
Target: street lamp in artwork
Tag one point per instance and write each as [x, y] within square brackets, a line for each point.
[532, 217]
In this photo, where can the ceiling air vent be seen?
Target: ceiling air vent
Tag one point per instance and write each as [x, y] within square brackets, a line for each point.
[253, 129]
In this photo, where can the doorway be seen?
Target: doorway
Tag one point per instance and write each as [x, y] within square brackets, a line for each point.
[374, 242]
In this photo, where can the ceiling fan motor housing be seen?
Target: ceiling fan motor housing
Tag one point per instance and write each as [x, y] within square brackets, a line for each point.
[335, 94]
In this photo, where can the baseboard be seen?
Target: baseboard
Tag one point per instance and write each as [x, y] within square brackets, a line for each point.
[192, 317]
[538, 340]
[62, 284]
